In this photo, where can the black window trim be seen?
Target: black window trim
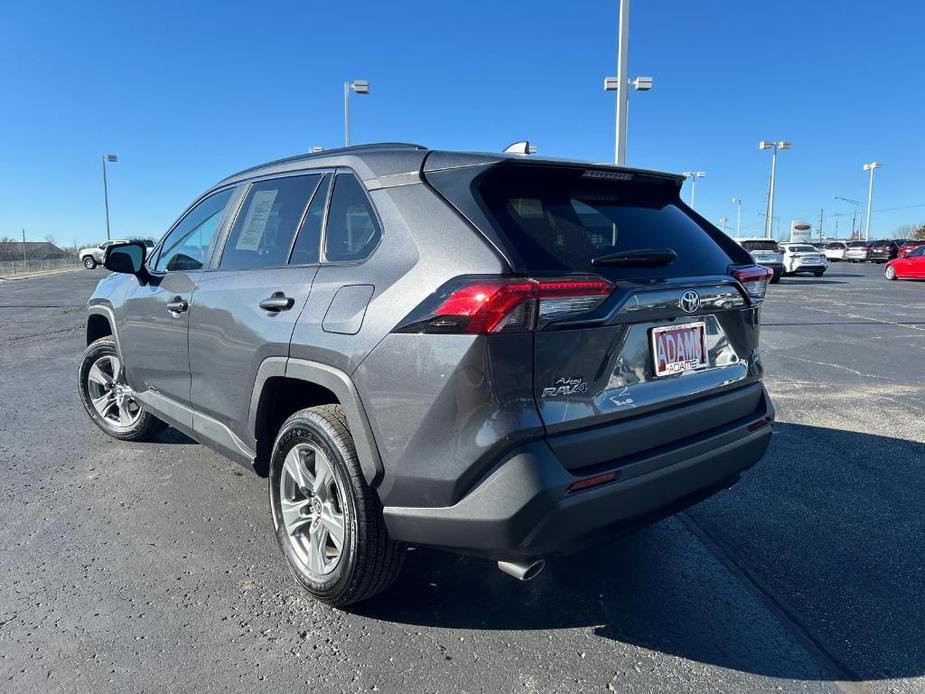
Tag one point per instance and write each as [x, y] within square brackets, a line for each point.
[246, 186]
[152, 258]
[343, 170]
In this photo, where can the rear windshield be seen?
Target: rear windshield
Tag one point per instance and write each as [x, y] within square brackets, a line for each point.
[559, 218]
[856, 244]
[761, 246]
[802, 249]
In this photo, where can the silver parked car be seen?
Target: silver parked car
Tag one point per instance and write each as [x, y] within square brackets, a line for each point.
[499, 355]
[765, 252]
[835, 250]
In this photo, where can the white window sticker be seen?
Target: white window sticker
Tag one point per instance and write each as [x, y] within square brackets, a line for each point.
[255, 222]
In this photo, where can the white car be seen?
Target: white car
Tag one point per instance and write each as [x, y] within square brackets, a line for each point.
[801, 257]
[835, 250]
[765, 252]
[91, 257]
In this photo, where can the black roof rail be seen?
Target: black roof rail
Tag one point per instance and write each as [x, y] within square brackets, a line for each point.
[327, 152]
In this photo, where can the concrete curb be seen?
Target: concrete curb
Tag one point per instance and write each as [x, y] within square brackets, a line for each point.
[44, 273]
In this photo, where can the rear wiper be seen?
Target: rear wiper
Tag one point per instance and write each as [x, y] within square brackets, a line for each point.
[644, 257]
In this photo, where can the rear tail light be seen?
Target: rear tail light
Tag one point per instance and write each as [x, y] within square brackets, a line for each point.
[493, 305]
[754, 279]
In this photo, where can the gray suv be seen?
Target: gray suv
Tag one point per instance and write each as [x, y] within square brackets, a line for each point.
[500, 355]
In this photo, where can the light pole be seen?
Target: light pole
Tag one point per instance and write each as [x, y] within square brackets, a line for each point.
[111, 158]
[694, 175]
[359, 87]
[774, 147]
[621, 83]
[722, 224]
[870, 194]
[738, 203]
[858, 205]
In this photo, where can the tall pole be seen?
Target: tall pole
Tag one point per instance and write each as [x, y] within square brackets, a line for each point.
[622, 82]
[870, 197]
[770, 218]
[693, 191]
[346, 114]
[738, 203]
[24, 246]
[106, 196]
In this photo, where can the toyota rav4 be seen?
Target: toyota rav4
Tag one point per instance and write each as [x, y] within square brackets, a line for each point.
[495, 354]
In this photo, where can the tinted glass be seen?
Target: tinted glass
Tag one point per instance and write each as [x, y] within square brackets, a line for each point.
[352, 230]
[558, 219]
[856, 244]
[917, 253]
[768, 245]
[802, 249]
[187, 246]
[308, 243]
[263, 231]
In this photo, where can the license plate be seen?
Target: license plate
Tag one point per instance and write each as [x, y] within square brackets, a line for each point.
[678, 348]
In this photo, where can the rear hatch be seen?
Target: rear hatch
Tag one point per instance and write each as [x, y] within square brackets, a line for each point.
[668, 351]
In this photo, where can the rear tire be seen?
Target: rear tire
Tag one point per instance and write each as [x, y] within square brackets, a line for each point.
[107, 398]
[327, 519]
[775, 278]
[819, 274]
[89, 262]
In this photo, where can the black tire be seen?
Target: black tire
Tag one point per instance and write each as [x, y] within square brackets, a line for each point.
[818, 273]
[775, 278]
[89, 262]
[889, 272]
[369, 560]
[143, 425]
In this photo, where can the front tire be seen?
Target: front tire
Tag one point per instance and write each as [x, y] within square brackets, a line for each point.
[89, 262]
[890, 272]
[819, 274]
[107, 398]
[327, 519]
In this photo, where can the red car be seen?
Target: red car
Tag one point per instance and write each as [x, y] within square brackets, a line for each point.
[908, 268]
[909, 246]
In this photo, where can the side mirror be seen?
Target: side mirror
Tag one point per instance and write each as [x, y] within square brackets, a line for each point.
[128, 258]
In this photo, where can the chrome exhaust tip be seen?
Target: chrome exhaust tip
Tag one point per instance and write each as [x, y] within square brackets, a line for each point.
[522, 570]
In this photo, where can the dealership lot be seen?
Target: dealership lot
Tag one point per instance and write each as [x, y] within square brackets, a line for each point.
[152, 566]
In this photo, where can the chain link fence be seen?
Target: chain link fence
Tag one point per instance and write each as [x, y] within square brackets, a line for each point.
[13, 268]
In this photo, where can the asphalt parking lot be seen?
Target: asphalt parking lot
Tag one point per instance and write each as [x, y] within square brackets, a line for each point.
[152, 567]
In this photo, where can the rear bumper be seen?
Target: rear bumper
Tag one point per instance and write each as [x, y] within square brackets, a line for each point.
[523, 507]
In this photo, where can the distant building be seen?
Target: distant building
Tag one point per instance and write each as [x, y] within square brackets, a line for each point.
[35, 250]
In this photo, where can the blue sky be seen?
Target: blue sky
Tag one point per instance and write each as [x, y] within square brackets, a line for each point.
[186, 93]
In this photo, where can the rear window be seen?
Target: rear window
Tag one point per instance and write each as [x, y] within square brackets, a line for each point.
[857, 244]
[802, 249]
[558, 219]
[768, 245]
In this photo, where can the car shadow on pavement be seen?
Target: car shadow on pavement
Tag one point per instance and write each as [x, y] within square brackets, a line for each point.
[171, 435]
[812, 568]
[792, 281]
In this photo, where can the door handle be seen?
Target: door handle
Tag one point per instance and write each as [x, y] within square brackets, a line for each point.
[177, 306]
[277, 302]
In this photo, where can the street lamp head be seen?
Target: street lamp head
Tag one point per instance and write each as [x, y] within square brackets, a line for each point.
[765, 144]
[872, 165]
[642, 84]
[360, 86]
[111, 158]
[611, 84]
[784, 144]
[737, 201]
[316, 148]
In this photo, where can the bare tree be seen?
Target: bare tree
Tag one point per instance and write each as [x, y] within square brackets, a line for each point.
[50, 238]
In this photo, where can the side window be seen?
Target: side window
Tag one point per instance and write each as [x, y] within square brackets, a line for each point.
[186, 247]
[263, 232]
[352, 229]
[917, 253]
[308, 243]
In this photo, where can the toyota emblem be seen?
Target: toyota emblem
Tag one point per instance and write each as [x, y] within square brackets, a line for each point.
[689, 301]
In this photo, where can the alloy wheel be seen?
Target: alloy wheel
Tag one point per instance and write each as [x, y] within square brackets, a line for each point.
[112, 399]
[312, 506]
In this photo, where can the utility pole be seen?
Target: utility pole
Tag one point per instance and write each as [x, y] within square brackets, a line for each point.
[23, 245]
[623, 49]
[738, 203]
[821, 217]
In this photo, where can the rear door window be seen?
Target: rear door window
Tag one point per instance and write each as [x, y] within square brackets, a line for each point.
[559, 218]
[266, 225]
[308, 243]
[768, 245]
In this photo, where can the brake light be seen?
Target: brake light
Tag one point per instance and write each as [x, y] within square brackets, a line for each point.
[754, 279]
[493, 305]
